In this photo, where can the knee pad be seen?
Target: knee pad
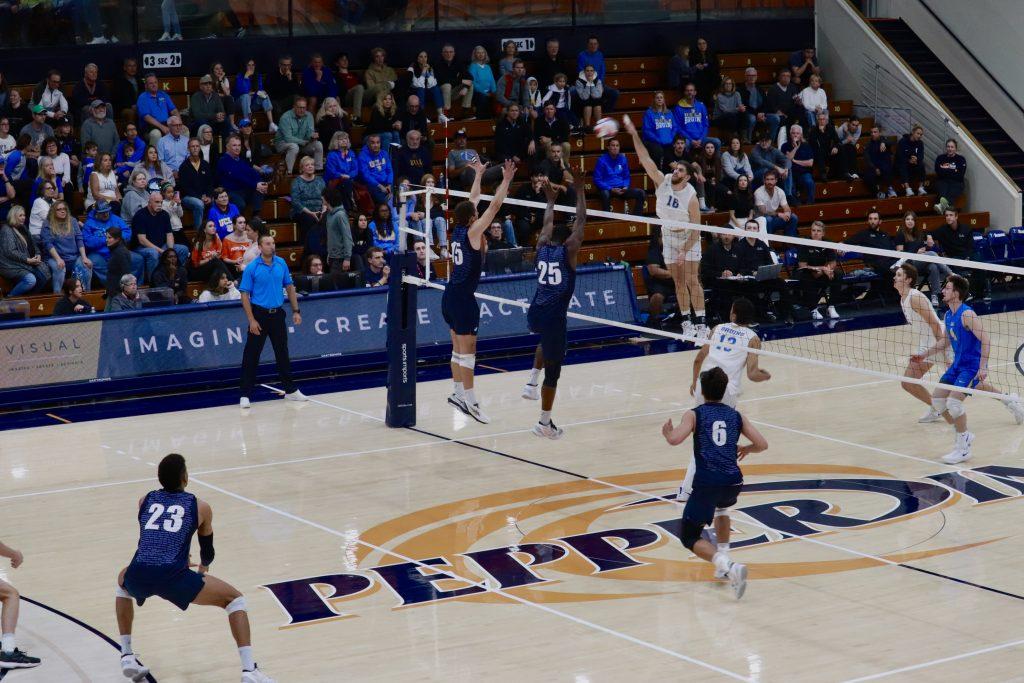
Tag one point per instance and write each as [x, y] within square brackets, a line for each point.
[120, 592]
[691, 533]
[939, 405]
[236, 605]
[467, 360]
[955, 407]
[456, 358]
[551, 374]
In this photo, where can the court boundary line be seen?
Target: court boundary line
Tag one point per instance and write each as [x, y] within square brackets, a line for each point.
[933, 662]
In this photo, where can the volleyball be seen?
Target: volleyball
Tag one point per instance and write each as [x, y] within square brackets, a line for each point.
[606, 128]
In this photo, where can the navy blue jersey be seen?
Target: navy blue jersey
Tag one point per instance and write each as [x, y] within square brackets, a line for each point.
[715, 436]
[467, 261]
[556, 278]
[167, 521]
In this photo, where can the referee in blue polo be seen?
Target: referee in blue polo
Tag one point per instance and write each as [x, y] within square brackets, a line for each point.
[263, 283]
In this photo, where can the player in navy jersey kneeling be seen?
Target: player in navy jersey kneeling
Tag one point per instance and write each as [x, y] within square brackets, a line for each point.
[716, 430]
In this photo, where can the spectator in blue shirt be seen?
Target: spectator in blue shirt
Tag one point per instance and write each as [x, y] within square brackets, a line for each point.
[593, 56]
[262, 299]
[377, 270]
[252, 95]
[222, 212]
[611, 175]
[173, 147]
[484, 85]
[240, 178]
[659, 129]
[94, 235]
[692, 120]
[375, 170]
[342, 167]
[801, 158]
[384, 228]
[317, 82]
[155, 107]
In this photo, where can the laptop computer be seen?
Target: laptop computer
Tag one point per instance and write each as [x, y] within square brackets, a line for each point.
[768, 272]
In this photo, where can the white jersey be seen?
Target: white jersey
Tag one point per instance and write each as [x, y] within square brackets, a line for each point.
[920, 330]
[729, 344]
[673, 205]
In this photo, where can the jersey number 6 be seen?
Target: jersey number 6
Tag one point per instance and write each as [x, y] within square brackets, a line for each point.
[718, 433]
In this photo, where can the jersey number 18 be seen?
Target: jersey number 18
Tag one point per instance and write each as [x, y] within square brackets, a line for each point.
[550, 273]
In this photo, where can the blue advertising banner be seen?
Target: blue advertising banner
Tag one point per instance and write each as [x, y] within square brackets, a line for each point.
[201, 337]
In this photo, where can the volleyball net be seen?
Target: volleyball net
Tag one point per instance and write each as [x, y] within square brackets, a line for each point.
[826, 304]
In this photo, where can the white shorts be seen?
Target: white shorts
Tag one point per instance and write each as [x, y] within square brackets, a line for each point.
[731, 398]
[945, 356]
[672, 242]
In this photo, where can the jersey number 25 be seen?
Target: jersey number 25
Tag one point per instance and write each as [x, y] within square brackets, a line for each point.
[549, 273]
[176, 515]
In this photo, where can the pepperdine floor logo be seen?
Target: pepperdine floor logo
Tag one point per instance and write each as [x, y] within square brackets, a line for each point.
[558, 556]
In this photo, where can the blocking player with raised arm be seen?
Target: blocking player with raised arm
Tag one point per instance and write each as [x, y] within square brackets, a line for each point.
[168, 518]
[971, 345]
[10, 656]
[557, 249]
[716, 430]
[677, 201]
[458, 303]
[727, 349]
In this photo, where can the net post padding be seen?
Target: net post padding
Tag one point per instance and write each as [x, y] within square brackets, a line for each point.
[401, 342]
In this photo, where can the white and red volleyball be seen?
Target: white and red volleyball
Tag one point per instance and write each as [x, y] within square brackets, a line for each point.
[606, 128]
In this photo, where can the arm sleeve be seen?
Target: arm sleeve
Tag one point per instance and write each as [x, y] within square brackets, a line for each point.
[206, 552]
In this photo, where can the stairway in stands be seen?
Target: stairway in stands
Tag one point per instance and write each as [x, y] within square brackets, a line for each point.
[954, 95]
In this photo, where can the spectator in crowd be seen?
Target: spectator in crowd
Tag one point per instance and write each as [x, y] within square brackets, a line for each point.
[20, 259]
[752, 253]
[16, 111]
[679, 71]
[126, 296]
[804, 64]
[873, 236]
[452, 80]
[38, 129]
[771, 203]
[154, 107]
[313, 279]
[49, 96]
[460, 163]
[222, 212]
[331, 119]
[7, 191]
[283, 85]
[253, 151]
[171, 204]
[241, 179]
[206, 145]
[61, 164]
[384, 120]
[172, 274]
[956, 240]
[910, 160]
[22, 167]
[912, 239]
[151, 227]
[219, 287]
[73, 302]
[102, 183]
[222, 87]
[252, 94]
[362, 239]
[69, 146]
[534, 98]
[729, 112]
[377, 270]
[659, 129]
[849, 134]
[424, 81]
[819, 274]
[422, 262]
[413, 118]
[317, 82]
[513, 89]
[412, 160]
[153, 166]
[556, 170]
[708, 177]
[509, 55]
[94, 234]
[740, 203]
[704, 63]
[528, 220]
[208, 253]
[339, 237]
[801, 159]
[126, 90]
[589, 96]
[611, 176]
[484, 85]
[678, 153]
[753, 100]
[234, 245]
[61, 238]
[375, 170]
[131, 138]
[437, 219]
[195, 183]
[100, 129]
[550, 130]
[657, 279]
[207, 107]
[782, 104]
[828, 159]
[173, 147]
[718, 265]
[550, 64]
[950, 170]
[814, 101]
[384, 228]
[512, 137]
[350, 88]
[692, 120]
[495, 237]
[379, 77]
[47, 173]
[309, 207]
[878, 160]
[564, 98]
[342, 167]
[87, 90]
[735, 164]
[117, 261]
[41, 208]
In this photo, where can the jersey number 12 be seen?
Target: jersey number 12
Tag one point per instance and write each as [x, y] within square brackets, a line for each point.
[550, 273]
[176, 515]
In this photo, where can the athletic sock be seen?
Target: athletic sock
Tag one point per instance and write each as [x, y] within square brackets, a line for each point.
[459, 391]
[723, 547]
[245, 654]
[534, 376]
[470, 396]
[126, 644]
[721, 561]
[8, 643]
[545, 417]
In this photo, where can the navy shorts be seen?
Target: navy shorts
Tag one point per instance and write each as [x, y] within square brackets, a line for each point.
[552, 328]
[461, 312]
[179, 588]
[701, 506]
[960, 376]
